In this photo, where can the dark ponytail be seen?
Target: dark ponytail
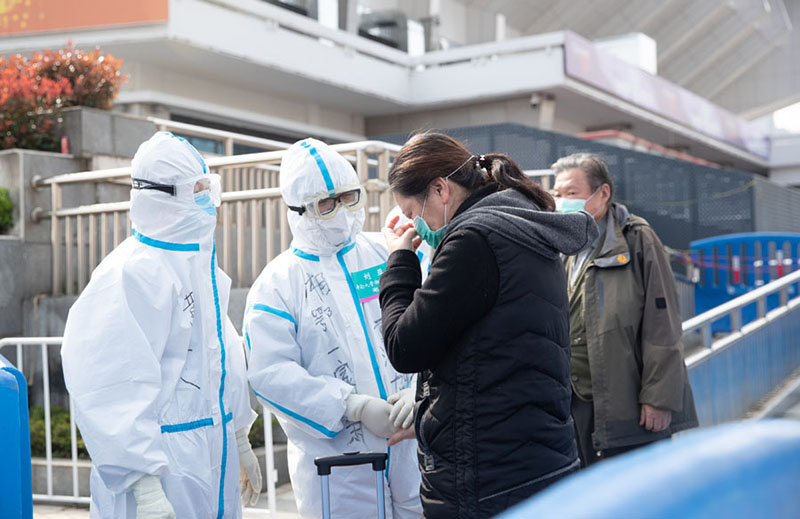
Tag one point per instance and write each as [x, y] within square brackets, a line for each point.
[429, 155]
[504, 171]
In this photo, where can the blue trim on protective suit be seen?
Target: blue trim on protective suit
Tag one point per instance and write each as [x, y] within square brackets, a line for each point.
[187, 426]
[372, 358]
[166, 245]
[275, 311]
[304, 255]
[321, 428]
[321, 163]
[221, 509]
[247, 339]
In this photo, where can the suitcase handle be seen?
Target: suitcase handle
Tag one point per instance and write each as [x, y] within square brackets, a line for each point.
[376, 459]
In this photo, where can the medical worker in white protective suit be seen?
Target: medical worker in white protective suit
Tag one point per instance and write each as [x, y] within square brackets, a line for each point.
[316, 356]
[151, 360]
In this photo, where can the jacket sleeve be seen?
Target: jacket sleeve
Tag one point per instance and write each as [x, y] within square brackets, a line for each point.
[314, 403]
[236, 379]
[420, 323]
[663, 369]
[114, 340]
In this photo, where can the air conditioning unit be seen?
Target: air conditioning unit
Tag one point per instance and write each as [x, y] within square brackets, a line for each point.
[395, 29]
[303, 7]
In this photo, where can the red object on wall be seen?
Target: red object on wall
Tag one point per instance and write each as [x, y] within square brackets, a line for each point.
[65, 145]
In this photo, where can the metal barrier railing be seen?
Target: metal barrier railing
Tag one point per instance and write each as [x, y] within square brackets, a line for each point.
[252, 223]
[21, 345]
[226, 139]
[732, 373]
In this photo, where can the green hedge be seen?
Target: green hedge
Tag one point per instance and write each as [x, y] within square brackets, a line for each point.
[59, 430]
[6, 211]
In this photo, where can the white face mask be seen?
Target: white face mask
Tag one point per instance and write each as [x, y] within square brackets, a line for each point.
[337, 230]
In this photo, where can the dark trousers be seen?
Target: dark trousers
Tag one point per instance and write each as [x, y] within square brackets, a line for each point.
[583, 418]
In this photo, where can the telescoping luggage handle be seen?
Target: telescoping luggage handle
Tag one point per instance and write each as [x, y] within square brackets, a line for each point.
[325, 463]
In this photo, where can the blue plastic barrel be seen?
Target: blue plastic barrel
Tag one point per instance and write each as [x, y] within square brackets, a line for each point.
[736, 471]
[16, 496]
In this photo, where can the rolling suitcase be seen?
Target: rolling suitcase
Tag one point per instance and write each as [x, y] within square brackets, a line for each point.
[325, 463]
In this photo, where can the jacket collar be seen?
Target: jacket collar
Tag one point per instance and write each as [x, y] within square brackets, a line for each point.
[615, 251]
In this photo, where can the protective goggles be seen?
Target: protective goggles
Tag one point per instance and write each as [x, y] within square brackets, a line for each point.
[326, 205]
[186, 189]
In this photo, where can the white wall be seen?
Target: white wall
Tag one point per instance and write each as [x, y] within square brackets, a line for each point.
[180, 92]
[514, 110]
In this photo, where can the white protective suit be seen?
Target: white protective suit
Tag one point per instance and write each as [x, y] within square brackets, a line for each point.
[313, 331]
[153, 364]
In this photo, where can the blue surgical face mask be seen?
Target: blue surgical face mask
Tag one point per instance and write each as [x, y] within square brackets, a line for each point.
[572, 205]
[432, 238]
[206, 203]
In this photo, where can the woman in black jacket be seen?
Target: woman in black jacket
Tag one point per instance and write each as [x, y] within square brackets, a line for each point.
[487, 332]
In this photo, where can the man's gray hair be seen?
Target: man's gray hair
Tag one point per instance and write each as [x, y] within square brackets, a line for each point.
[594, 166]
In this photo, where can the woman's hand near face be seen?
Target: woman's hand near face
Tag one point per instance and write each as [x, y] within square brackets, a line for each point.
[400, 237]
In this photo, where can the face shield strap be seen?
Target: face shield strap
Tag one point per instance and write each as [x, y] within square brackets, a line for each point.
[140, 183]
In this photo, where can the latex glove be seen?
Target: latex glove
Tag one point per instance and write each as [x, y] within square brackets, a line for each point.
[373, 413]
[402, 415]
[249, 469]
[151, 501]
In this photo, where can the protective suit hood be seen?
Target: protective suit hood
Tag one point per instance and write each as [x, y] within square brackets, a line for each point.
[308, 169]
[168, 159]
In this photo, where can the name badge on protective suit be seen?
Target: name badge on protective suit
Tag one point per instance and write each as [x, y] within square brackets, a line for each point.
[367, 282]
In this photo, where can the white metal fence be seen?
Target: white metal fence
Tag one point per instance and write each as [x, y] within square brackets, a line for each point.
[22, 347]
[226, 140]
[252, 222]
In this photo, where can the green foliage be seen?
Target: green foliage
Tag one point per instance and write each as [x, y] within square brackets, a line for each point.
[256, 435]
[6, 211]
[60, 434]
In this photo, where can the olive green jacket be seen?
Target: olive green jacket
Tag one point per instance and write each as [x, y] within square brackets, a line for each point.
[633, 334]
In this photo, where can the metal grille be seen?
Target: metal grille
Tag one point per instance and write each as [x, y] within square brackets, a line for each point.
[681, 200]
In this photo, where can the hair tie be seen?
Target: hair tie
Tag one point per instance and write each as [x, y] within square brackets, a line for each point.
[482, 162]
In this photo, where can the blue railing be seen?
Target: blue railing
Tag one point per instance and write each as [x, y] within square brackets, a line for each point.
[732, 374]
[731, 265]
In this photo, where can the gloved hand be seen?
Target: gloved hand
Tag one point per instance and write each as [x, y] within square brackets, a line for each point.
[372, 412]
[249, 469]
[151, 501]
[402, 414]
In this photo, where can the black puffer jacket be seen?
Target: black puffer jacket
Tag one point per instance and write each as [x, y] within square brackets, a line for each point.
[489, 333]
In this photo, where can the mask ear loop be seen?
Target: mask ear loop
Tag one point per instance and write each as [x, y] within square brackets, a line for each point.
[450, 175]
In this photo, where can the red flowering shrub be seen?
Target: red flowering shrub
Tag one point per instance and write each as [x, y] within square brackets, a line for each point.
[95, 78]
[33, 90]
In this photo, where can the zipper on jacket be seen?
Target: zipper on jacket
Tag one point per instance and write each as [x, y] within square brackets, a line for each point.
[427, 457]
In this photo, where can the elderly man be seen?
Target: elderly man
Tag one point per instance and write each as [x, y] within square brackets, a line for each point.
[629, 382]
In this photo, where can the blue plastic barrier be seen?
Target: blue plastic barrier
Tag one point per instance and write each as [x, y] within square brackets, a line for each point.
[16, 496]
[733, 264]
[741, 470]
